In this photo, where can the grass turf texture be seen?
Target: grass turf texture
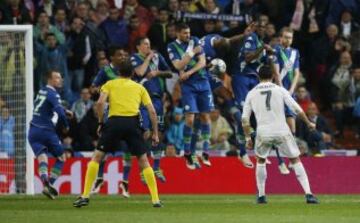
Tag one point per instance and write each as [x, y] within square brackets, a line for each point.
[180, 208]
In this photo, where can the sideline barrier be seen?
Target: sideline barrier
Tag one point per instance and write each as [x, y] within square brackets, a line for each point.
[327, 175]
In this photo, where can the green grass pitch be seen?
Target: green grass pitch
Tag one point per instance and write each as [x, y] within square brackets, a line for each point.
[181, 208]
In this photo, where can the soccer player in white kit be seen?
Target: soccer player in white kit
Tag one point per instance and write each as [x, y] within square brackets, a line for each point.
[267, 101]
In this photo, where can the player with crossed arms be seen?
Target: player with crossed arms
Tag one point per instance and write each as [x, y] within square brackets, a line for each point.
[267, 101]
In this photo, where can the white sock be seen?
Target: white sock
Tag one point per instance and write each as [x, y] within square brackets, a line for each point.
[302, 177]
[261, 175]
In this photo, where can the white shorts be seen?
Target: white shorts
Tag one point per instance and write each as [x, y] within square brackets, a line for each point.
[286, 144]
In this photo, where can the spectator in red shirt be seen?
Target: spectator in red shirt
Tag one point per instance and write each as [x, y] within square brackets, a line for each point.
[303, 97]
[137, 29]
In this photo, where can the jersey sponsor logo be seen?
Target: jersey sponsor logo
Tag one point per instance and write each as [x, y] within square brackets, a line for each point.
[247, 45]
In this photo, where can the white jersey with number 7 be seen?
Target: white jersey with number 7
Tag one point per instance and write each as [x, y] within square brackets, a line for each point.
[267, 101]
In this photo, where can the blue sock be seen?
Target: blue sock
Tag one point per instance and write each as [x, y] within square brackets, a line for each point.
[187, 139]
[43, 171]
[195, 135]
[101, 169]
[127, 166]
[56, 170]
[280, 159]
[157, 151]
[205, 135]
[240, 140]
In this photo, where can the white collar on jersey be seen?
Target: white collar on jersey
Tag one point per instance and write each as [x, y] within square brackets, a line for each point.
[178, 41]
[51, 87]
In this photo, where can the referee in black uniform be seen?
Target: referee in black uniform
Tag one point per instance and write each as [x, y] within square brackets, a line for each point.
[124, 97]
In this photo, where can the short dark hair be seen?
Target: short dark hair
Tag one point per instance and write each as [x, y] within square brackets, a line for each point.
[139, 40]
[286, 29]
[113, 49]
[181, 26]
[265, 72]
[50, 34]
[125, 68]
[49, 74]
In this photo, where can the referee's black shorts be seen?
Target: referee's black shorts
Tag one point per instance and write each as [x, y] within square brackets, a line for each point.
[122, 128]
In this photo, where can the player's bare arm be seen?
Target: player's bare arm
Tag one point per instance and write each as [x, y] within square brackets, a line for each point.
[154, 123]
[100, 106]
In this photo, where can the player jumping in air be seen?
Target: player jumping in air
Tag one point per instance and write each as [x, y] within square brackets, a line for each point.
[188, 58]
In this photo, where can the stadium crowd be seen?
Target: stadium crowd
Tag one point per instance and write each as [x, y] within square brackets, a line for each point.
[74, 37]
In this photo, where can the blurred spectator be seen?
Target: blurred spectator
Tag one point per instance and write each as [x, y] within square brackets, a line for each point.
[86, 137]
[102, 11]
[7, 125]
[14, 12]
[61, 21]
[209, 27]
[173, 8]
[83, 105]
[131, 8]
[303, 98]
[81, 52]
[47, 6]
[52, 56]
[336, 7]
[220, 131]
[83, 12]
[248, 8]
[174, 134]
[11, 53]
[2, 102]
[69, 6]
[355, 46]
[323, 52]
[43, 27]
[211, 7]
[355, 90]
[115, 29]
[137, 30]
[347, 24]
[321, 138]
[157, 32]
[339, 77]
[270, 32]
[67, 145]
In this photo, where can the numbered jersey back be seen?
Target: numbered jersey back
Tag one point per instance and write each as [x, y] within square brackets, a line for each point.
[267, 101]
[45, 102]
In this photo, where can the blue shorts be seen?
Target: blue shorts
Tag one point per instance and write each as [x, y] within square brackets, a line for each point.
[215, 82]
[241, 85]
[197, 99]
[145, 121]
[44, 141]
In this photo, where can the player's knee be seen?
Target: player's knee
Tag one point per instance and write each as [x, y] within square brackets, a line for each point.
[260, 160]
[205, 118]
[294, 160]
[98, 156]
[189, 119]
[143, 161]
